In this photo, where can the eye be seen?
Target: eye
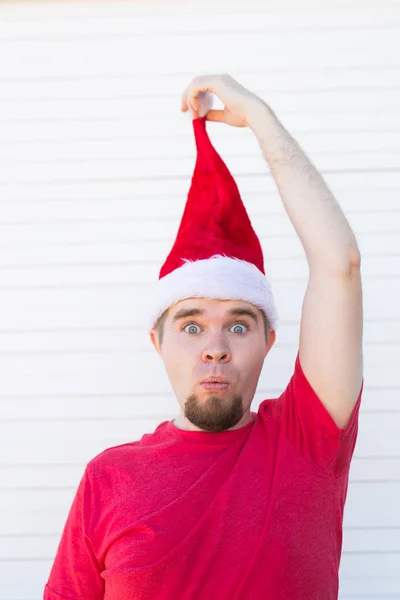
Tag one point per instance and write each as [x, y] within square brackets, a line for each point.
[239, 325]
[190, 328]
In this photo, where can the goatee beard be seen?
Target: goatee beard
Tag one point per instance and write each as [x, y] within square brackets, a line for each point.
[214, 414]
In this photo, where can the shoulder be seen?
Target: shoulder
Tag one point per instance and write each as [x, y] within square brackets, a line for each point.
[112, 456]
[124, 455]
[271, 408]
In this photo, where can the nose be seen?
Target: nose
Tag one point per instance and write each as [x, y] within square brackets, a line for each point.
[216, 355]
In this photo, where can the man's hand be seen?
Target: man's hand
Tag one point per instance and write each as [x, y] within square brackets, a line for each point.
[239, 102]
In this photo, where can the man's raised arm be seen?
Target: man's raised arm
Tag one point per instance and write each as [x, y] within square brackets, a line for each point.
[331, 330]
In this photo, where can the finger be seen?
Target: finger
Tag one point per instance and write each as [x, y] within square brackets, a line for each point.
[198, 85]
[187, 105]
[195, 113]
[184, 105]
[194, 103]
[186, 101]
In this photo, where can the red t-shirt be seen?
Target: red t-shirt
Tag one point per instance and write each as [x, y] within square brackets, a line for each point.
[244, 514]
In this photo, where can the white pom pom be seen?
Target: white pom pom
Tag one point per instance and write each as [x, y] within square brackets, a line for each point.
[206, 100]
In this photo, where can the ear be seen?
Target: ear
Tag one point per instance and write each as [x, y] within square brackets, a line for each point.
[271, 341]
[154, 340]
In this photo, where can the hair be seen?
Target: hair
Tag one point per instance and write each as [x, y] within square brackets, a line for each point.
[159, 326]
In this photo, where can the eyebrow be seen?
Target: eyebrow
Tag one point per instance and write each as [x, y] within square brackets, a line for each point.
[183, 313]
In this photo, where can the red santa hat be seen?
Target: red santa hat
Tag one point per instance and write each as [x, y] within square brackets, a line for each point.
[216, 253]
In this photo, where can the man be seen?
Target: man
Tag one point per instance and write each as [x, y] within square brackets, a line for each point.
[223, 503]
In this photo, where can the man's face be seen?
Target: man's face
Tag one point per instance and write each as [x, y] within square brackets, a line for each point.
[214, 343]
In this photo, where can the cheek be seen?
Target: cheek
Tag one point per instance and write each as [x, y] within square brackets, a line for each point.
[250, 360]
[179, 358]
[184, 347]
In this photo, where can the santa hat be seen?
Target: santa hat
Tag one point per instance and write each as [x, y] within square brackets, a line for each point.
[216, 253]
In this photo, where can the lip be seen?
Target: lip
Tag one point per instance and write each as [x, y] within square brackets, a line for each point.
[214, 380]
[214, 386]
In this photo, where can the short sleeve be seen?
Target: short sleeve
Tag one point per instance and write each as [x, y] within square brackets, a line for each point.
[75, 574]
[310, 428]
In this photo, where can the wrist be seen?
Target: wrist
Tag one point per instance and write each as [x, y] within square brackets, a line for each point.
[257, 113]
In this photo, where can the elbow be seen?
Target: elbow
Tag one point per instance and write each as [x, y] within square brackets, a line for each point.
[353, 265]
[354, 261]
[352, 268]
[344, 267]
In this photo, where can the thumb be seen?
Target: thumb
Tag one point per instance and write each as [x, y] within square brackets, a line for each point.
[216, 115]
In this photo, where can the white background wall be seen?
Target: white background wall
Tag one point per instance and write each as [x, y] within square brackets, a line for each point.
[95, 164]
